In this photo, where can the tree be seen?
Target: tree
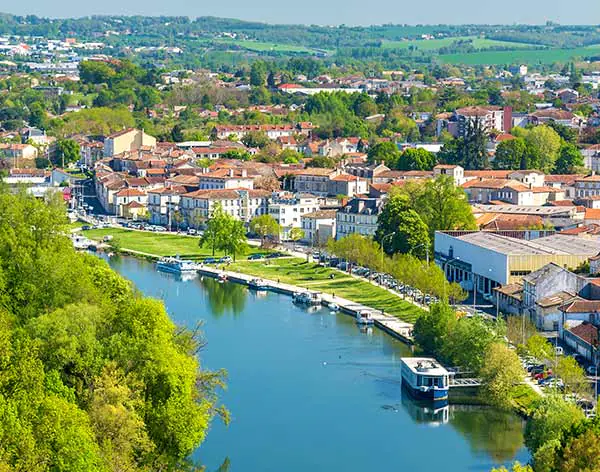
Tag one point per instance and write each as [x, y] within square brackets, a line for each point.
[433, 326]
[215, 235]
[468, 151]
[255, 139]
[443, 206]
[258, 74]
[264, 225]
[296, 234]
[468, 343]
[573, 376]
[416, 159]
[385, 151]
[67, 151]
[517, 467]
[239, 154]
[37, 115]
[95, 72]
[546, 144]
[569, 160]
[511, 155]
[177, 133]
[582, 454]
[401, 229]
[235, 243]
[500, 372]
[268, 183]
[539, 347]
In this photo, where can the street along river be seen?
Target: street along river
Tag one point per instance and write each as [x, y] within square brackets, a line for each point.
[309, 391]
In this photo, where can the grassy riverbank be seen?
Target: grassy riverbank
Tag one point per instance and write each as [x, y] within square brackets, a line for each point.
[159, 244]
[311, 276]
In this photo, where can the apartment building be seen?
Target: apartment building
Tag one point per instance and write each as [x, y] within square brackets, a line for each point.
[127, 140]
[288, 209]
[359, 215]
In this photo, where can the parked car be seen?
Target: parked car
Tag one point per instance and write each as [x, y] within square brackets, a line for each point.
[210, 260]
[86, 227]
[225, 260]
[591, 370]
[192, 232]
[274, 255]
[253, 257]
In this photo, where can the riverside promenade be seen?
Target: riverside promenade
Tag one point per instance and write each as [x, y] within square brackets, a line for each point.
[388, 323]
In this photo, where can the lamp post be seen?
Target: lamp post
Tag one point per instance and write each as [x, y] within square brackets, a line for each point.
[426, 251]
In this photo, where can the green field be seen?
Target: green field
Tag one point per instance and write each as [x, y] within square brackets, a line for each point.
[525, 56]
[314, 277]
[159, 244]
[258, 46]
[435, 44]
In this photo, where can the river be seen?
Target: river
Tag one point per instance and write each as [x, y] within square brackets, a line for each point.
[310, 391]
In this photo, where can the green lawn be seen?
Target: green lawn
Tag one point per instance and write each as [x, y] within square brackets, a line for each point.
[311, 276]
[159, 244]
[435, 44]
[525, 56]
[259, 46]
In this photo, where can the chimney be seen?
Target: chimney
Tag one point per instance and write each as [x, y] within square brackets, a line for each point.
[231, 172]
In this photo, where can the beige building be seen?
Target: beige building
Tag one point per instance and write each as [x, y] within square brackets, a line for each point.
[127, 140]
[319, 226]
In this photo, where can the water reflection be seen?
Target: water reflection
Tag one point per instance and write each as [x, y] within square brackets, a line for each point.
[423, 412]
[494, 432]
[224, 298]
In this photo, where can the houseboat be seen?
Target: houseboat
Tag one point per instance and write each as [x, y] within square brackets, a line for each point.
[258, 284]
[425, 378]
[176, 265]
[364, 317]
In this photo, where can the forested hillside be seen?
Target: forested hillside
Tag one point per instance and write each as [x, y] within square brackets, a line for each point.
[93, 376]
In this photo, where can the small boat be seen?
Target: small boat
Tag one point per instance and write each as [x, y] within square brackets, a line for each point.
[307, 298]
[364, 317]
[222, 278]
[425, 378]
[258, 284]
[334, 307]
[176, 265]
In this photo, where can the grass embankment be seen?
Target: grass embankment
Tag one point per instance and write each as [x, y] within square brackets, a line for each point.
[311, 276]
[158, 244]
[523, 399]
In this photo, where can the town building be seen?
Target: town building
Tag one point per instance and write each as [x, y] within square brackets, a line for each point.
[319, 226]
[287, 209]
[127, 140]
[360, 216]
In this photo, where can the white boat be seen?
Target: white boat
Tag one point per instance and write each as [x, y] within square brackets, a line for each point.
[176, 265]
[258, 284]
[222, 278]
[307, 298]
[364, 317]
[425, 378]
[334, 306]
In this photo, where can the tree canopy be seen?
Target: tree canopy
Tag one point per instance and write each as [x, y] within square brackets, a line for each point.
[93, 376]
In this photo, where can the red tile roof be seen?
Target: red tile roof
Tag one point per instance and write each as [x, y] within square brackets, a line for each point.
[586, 332]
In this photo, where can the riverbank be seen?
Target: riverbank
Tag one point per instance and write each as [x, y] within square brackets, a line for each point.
[388, 323]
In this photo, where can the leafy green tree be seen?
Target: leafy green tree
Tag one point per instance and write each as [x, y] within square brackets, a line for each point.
[582, 454]
[539, 347]
[401, 229]
[236, 240]
[573, 376]
[95, 72]
[258, 74]
[256, 139]
[468, 151]
[416, 159]
[296, 234]
[443, 206]
[385, 151]
[239, 154]
[67, 152]
[37, 115]
[468, 343]
[215, 235]
[500, 371]
[546, 142]
[569, 160]
[177, 133]
[550, 420]
[322, 162]
[511, 155]
[264, 225]
[432, 327]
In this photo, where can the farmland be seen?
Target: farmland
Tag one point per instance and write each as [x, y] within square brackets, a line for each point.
[527, 56]
[435, 44]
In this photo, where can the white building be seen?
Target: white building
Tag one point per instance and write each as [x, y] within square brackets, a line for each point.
[288, 209]
[319, 226]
